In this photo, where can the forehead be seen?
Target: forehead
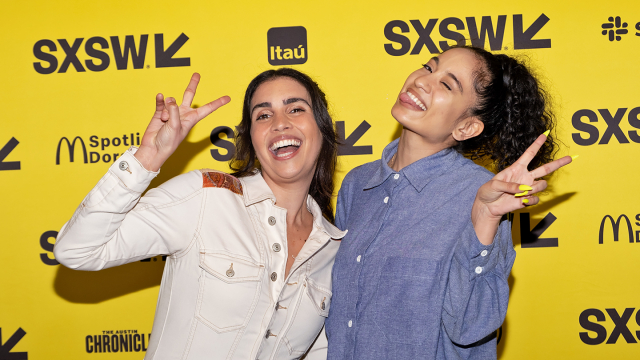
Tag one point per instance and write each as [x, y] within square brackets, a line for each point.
[461, 62]
[279, 89]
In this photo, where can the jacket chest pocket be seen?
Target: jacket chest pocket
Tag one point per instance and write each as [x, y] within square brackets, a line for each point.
[229, 291]
[310, 313]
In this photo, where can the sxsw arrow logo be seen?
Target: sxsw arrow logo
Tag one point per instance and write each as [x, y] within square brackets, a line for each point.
[5, 151]
[5, 349]
[346, 145]
[530, 238]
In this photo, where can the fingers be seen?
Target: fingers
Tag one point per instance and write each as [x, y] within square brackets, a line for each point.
[190, 93]
[207, 109]
[159, 102]
[531, 152]
[547, 169]
[174, 113]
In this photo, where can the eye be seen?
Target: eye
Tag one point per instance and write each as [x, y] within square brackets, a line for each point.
[297, 110]
[262, 116]
[427, 67]
[447, 86]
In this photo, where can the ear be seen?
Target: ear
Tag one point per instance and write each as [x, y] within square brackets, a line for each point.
[468, 128]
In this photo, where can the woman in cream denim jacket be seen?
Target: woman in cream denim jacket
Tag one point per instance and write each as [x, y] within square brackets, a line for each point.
[248, 277]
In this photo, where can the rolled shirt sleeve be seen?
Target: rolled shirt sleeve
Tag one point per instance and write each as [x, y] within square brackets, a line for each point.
[477, 294]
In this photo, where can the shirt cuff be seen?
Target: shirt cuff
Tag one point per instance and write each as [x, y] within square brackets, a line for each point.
[480, 257]
[131, 172]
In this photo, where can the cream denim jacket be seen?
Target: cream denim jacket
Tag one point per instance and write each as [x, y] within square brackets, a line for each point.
[223, 293]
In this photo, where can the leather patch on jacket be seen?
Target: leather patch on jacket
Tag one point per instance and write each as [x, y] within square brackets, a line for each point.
[221, 180]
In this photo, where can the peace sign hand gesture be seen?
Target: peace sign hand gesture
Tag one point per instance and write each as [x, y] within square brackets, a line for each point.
[171, 123]
[511, 189]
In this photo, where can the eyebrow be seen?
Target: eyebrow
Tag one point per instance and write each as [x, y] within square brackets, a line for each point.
[284, 102]
[455, 79]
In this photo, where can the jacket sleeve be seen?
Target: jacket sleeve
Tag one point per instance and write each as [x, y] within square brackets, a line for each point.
[477, 293]
[114, 226]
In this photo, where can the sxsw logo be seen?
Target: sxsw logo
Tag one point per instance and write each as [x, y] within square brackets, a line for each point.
[615, 28]
[620, 322]
[287, 45]
[10, 343]
[346, 144]
[589, 134]
[5, 151]
[98, 59]
[616, 225]
[487, 30]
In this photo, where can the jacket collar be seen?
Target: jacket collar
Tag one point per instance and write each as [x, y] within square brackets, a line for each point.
[255, 190]
[420, 173]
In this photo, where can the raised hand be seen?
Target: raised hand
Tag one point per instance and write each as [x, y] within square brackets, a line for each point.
[171, 123]
[511, 189]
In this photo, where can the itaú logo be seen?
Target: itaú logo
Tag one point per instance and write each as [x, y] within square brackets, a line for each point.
[96, 142]
[615, 226]
[287, 45]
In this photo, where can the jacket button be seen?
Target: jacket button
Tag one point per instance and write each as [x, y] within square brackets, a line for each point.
[230, 271]
[266, 336]
[272, 220]
[276, 247]
[274, 276]
[123, 165]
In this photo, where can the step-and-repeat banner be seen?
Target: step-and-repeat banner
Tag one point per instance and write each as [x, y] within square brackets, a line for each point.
[77, 88]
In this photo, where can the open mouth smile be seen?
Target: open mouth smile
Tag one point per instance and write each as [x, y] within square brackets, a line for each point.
[285, 148]
[416, 101]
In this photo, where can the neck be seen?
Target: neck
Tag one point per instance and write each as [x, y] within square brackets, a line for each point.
[292, 197]
[413, 147]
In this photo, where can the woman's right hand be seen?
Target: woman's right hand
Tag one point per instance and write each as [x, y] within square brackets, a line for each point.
[171, 123]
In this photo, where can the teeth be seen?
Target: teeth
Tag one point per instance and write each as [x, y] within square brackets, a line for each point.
[282, 143]
[417, 101]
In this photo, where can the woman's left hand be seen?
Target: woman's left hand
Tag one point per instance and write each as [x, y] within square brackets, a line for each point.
[511, 189]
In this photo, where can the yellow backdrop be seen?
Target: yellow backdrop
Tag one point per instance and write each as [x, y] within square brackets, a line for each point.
[83, 76]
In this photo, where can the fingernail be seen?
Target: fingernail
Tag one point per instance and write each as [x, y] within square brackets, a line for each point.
[573, 157]
[525, 201]
[521, 194]
[546, 133]
[525, 187]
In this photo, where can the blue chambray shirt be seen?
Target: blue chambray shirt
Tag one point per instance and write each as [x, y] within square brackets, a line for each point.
[411, 279]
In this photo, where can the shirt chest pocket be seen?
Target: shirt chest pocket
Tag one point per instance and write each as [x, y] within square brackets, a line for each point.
[229, 291]
[310, 312]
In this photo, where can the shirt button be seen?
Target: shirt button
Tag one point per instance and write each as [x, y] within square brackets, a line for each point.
[272, 220]
[350, 323]
[396, 176]
[358, 258]
[484, 253]
[478, 270]
[123, 165]
[274, 276]
[386, 200]
[276, 247]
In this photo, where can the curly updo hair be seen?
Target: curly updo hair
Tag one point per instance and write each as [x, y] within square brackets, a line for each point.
[514, 109]
[245, 161]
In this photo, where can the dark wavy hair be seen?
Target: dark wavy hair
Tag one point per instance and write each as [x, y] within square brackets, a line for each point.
[514, 108]
[244, 162]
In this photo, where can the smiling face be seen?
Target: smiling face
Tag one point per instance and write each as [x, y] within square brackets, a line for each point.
[434, 100]
[284, 132]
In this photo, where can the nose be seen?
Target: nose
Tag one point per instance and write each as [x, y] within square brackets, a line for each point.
[424, 82]
[280, 122]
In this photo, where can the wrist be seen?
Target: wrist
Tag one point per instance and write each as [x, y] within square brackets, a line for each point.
[148, 158]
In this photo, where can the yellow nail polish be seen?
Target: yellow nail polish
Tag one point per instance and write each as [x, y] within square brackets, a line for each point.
[525, 187]
[546, 133]
[521, 194]
[525, 201]
[573, 157]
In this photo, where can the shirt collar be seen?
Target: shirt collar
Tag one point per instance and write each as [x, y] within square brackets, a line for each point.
[255, 190]
[420, 173]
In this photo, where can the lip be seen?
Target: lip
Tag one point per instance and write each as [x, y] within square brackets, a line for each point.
[406, 100]
[281, 138]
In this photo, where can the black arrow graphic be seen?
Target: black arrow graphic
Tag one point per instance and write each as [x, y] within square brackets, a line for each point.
[5, 350]
[531, 238]
[524, 39]
[347, 144]
[4, 152]
[164, 58]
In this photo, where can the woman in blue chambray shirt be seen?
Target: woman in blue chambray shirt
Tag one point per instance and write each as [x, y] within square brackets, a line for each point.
[422, 272]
